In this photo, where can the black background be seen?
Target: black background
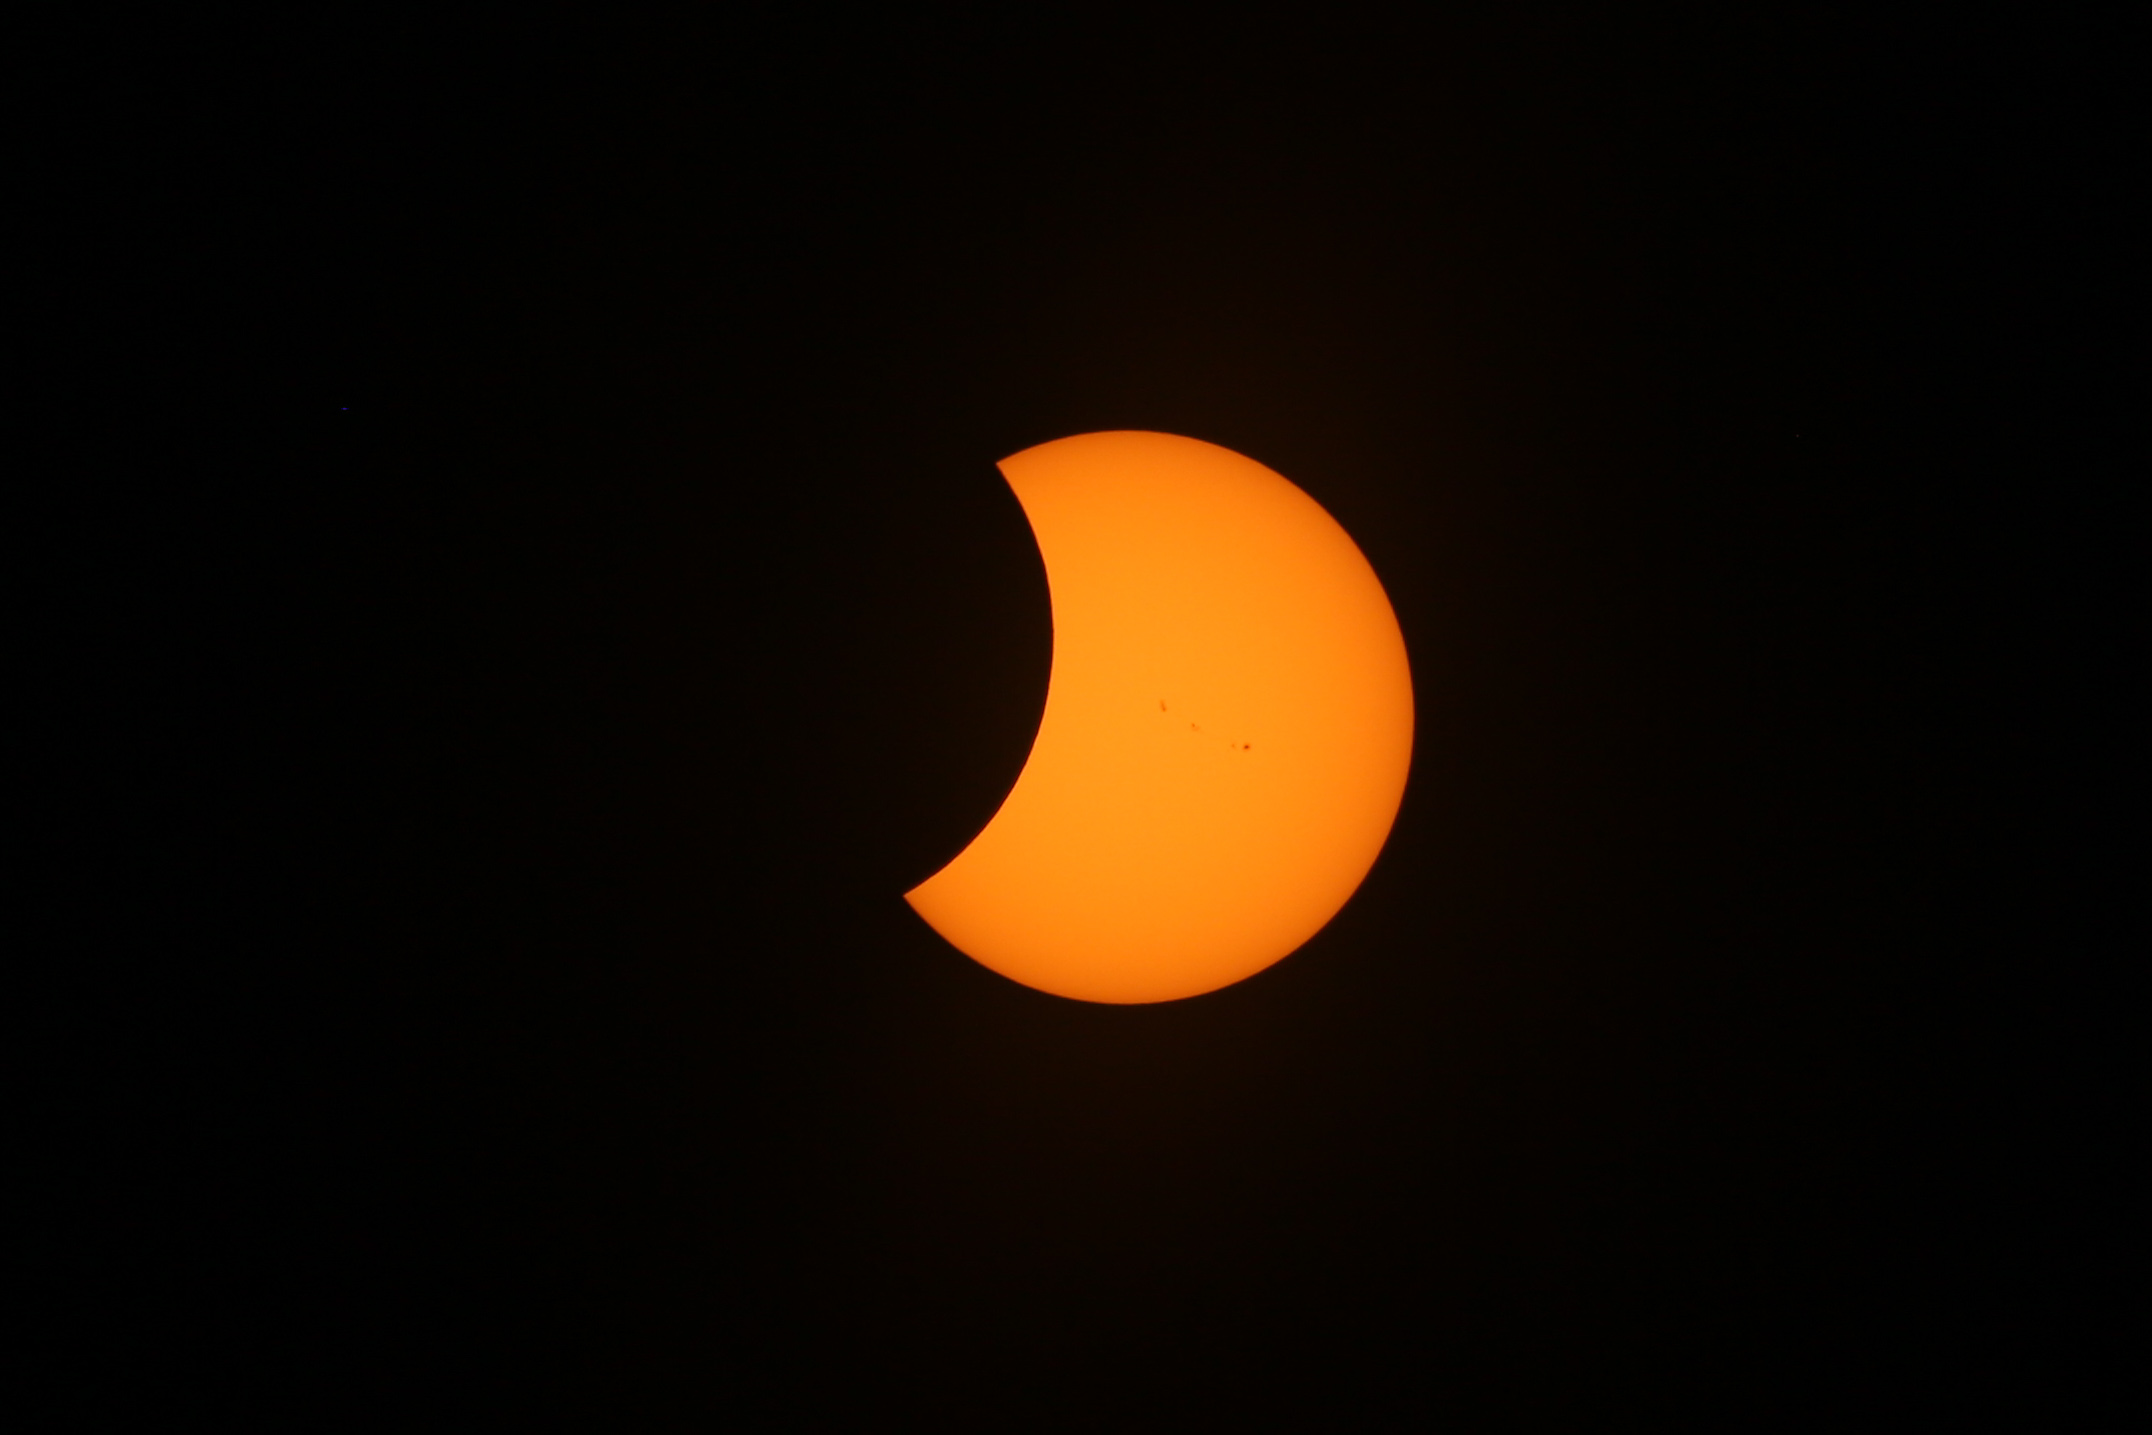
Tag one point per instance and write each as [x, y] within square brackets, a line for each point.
[612, 607]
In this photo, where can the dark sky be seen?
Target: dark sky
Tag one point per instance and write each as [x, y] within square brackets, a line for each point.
[644, 614]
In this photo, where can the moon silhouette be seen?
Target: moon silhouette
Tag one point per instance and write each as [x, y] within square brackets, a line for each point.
[1227, 729]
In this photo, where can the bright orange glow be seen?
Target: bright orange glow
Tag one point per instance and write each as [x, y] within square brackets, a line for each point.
[1227, 729]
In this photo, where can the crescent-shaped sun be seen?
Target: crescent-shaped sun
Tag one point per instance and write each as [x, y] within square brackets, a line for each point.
[1227, 729]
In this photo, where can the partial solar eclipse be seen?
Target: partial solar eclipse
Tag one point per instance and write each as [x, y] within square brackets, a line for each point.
[1227, 730]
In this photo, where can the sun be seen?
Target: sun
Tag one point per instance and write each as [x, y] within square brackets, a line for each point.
[1227, 731]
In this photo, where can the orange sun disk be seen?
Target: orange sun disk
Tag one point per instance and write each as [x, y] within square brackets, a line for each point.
[1227, 730]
